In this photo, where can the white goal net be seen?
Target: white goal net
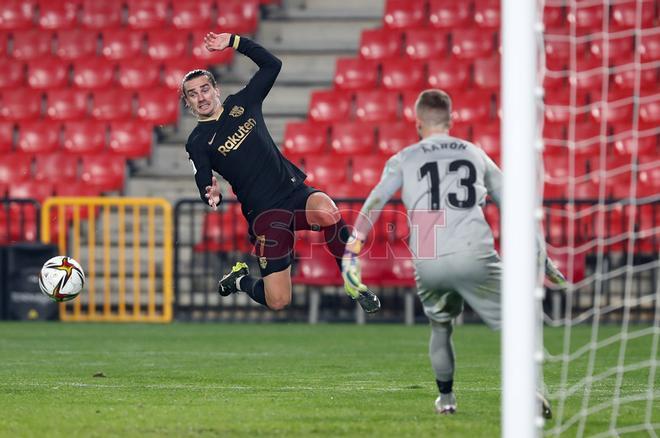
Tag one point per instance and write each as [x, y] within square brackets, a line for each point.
[600, 71]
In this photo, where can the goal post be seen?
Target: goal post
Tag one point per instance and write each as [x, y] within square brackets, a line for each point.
[520, 95]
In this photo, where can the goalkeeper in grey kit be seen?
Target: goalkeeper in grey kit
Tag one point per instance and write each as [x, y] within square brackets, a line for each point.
[444, 182]
[232, 139]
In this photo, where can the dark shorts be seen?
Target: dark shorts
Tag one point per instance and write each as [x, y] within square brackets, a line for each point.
[272, 232]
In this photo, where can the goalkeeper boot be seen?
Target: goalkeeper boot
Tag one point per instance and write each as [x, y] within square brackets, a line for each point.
[546, 410]
[445, 404]
[227, 285]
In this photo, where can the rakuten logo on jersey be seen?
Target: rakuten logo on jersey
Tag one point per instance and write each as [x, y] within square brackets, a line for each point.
[235, 140]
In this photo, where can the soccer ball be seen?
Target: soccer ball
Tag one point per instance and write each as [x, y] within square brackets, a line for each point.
[61, 278]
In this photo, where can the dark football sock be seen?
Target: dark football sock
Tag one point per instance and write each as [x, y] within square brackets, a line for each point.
[254, 287]
[336, 236]
[445, 387]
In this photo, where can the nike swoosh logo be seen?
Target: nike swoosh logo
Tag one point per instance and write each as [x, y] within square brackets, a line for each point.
[212, 138]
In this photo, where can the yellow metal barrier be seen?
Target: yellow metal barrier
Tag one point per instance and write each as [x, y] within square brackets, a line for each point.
[94, 231]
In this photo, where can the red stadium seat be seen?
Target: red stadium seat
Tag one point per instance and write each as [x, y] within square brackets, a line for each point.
[164, 44]
[355, 74]
[77, 188]
[67, 104]
[448, 74]
[13, 73]
[472, 106]
[16, 14]
[392, 137]
[203, 56]
[319, 267]
[302, 138]
[48, 73]
[557, 106]
[617, 108]
[147, 14]
[553, 16]
[15, 167]
[409, 98]
[644, 143]
[159, 106]
[38, 137]
[624, 15]
[589, 75]
[86, 137]
[101, 15]
[649, 47]
[191, 14]
[138, 73]
[624, 77]
[649, 111]
[426, 44]
[4, 42]
[75, 44]
[487, 137]
[348, 190]
[93, 73]
[6, 137]
[403, 75]
[326, 169]
[329, 106]
[487, 13]
[376, 105]
[175, 69]
[37, 190]
[487, 73]
[588, 18]
[105, 172]
[402, 273]
[449, 14]
[587, 136]
[619, 49]
[59, 167]
[554, 132]
[472, 43]
[404, 14]
[649, 182]
[380, 44]
[352, 138]
[131, 139]
[112, 105]
[20, 104]
[58, 14]
[238, 16]
[368, 169]
[557, 53]
[224, 231]
[122, 44]
[31, 44]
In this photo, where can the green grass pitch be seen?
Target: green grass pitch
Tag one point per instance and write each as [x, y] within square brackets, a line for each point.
[268, 380]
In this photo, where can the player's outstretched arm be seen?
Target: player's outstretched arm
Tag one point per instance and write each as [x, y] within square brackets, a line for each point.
[269, 65]
[209, 189]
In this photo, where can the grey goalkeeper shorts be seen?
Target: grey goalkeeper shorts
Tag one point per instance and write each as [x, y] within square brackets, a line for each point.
[444, 283]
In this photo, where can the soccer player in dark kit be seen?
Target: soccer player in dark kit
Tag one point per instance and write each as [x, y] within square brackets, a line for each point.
[231, 138]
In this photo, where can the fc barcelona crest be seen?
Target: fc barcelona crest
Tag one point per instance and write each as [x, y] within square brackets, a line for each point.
[237, 111]
[263, 262]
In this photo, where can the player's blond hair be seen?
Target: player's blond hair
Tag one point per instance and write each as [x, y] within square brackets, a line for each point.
[433, 108]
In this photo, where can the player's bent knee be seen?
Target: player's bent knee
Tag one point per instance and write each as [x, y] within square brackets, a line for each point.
[277, 297]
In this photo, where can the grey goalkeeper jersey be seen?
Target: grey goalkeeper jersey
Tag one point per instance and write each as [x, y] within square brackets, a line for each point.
[444, 183]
